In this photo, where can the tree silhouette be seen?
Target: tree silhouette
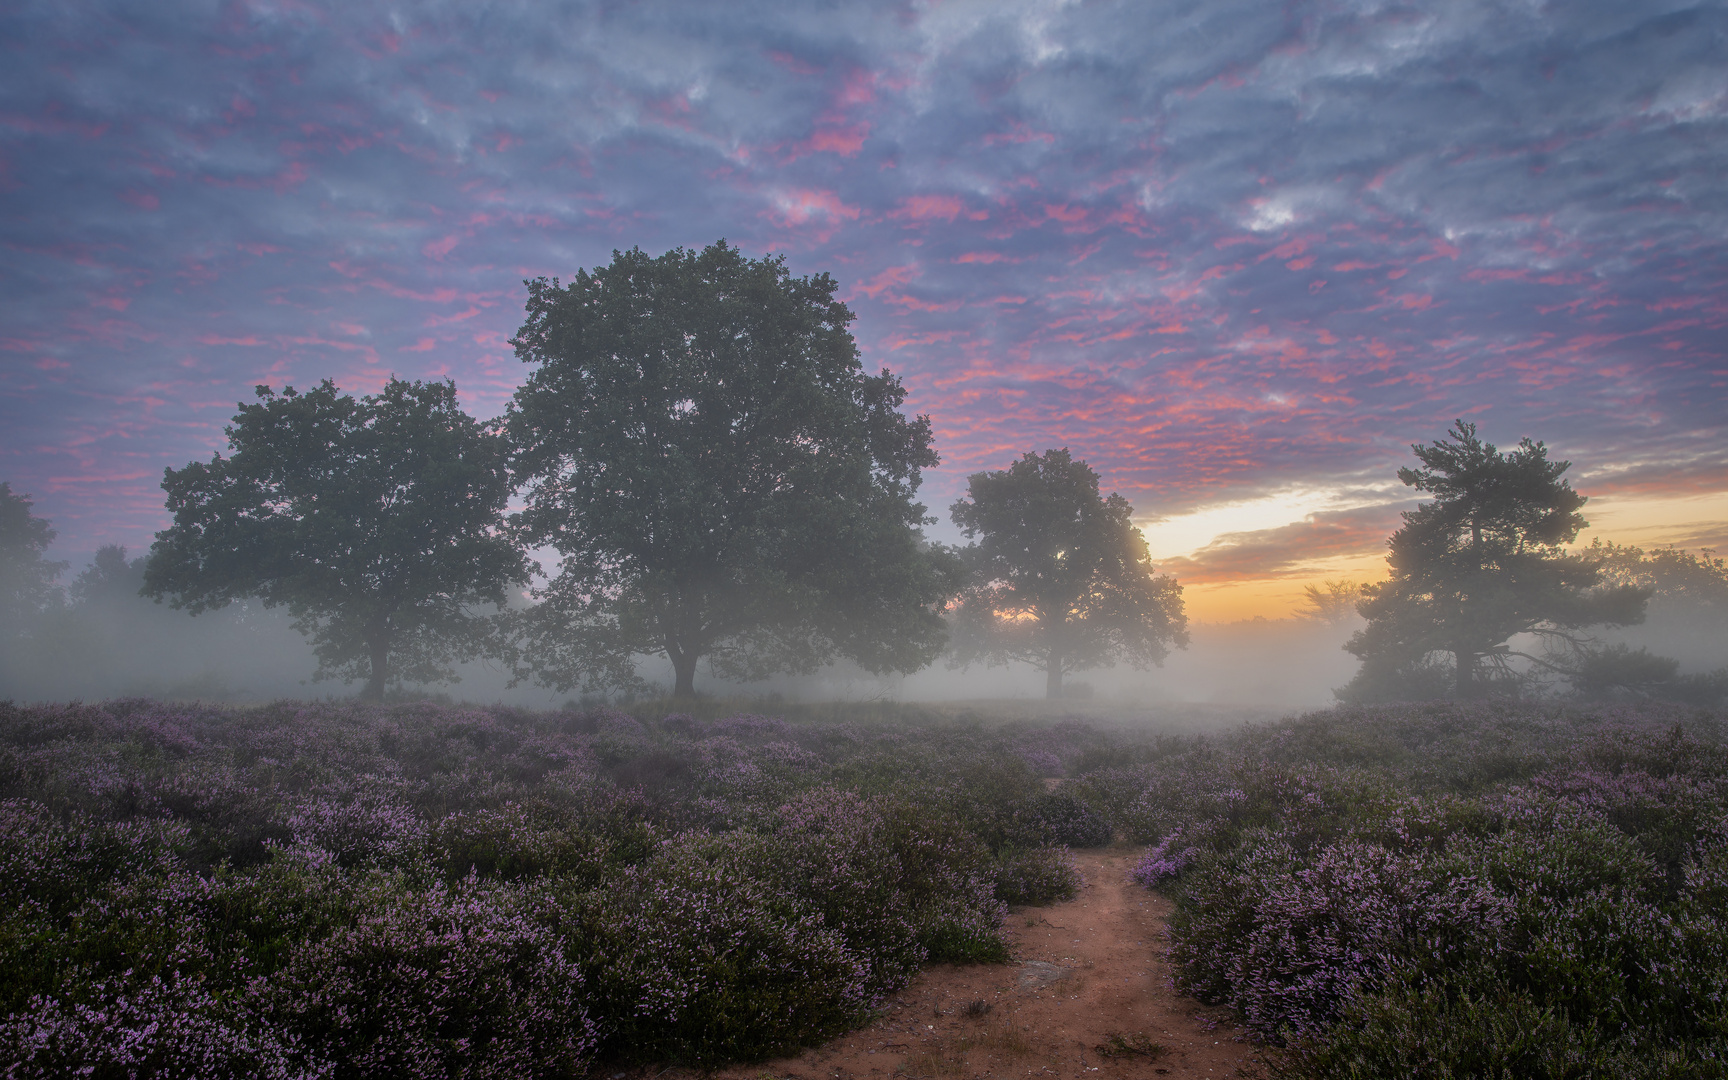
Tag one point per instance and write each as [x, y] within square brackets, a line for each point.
[1483, 562]
[31, 602]
[27, 580]
[376, 521]
[1332, 603]
[701, 443]
[1059, 578]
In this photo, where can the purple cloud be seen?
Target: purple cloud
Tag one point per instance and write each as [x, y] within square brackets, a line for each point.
[1216, 251]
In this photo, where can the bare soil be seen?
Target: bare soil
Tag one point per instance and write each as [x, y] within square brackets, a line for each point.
[1088, 996]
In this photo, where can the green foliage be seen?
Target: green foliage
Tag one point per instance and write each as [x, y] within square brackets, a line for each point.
[426, 891]
[375, 521]
[687, 951]
[1060, 578]
[32, 615]
[1035, 876]
[1673, 575]
[1689, 596]
[26, 578]
[1453, 1028]
[1448, 890]
[1478, 565]
[1062, 818]
[704, 448]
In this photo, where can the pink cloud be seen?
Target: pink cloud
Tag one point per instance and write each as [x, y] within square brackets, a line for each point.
[929, 208]
[894, 275]
[437, 249]
[801, 205]
[843, 139]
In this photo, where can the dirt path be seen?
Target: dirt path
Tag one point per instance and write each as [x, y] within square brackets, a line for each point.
[1087, 997]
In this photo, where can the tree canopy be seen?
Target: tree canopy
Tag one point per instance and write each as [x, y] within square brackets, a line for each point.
[376, 521]
[701, 443]
[1688, 616]
[27, 580]
[1479, 564]
[1678, 578]
[1331, 603]
[1059, 576]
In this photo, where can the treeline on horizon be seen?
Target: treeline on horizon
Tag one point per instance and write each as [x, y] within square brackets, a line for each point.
[724, 483]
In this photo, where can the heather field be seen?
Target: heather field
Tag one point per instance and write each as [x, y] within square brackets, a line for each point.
[421, 890]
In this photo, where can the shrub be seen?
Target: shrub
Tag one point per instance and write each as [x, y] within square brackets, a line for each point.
[695, 957]
[1565, 923]
[173, 1028]
[1062, 818]
[468, 980]
[1036, 876]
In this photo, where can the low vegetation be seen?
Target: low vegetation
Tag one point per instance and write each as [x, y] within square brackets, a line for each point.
[1439, 891]
[309, 890]
[351, 890]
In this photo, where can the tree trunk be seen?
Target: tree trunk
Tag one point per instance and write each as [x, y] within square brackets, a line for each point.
[1053, 676]
[683, 670]
[378, 661]
[1466, 681]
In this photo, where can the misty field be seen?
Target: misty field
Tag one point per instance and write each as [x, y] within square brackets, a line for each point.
[340, 890]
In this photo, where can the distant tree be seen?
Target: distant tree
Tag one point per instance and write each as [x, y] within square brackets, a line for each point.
[1332, 603]
[1059, 578]
[1673, 575]
[109, 580]
[27, 580]
[1688, 604]
[702, 445]
[376, 521]
[1481, 563]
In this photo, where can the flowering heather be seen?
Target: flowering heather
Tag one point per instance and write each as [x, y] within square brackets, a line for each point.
[319, 889]
[1448, 890]
[1164, 860]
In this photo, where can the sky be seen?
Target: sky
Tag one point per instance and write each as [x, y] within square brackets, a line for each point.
[1238, 255]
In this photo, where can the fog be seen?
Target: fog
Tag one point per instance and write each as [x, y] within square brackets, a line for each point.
[1283, 663]
[107, 641]
[110, 642]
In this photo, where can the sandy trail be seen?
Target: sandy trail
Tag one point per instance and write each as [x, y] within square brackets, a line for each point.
[1087, 997]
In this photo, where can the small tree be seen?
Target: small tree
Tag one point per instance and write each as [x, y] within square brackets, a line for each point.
[32, 607]
[702, 445]
[1331, 603]
[1481, 563]
[1677, 578]
[1060, 578]
[1688, 615]
[27, 580]
[376, 521]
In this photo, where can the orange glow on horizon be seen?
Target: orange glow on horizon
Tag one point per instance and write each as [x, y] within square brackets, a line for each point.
[1692, 522]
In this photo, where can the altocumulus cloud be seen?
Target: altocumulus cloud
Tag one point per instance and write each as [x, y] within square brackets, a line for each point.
[1217, 249]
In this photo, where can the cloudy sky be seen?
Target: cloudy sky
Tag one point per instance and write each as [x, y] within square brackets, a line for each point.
[1239, 255]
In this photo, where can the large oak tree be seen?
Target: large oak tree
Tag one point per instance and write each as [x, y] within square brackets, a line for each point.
[377, 522]
[1059, 577]
[1481, 563]
[701, 443]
